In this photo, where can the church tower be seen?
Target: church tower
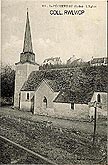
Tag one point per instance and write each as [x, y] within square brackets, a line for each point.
[26, 64]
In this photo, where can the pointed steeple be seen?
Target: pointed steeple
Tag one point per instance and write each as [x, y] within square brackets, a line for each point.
[27, 55]
[27, 38]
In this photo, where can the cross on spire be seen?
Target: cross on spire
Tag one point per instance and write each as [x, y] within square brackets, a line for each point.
[27, 38]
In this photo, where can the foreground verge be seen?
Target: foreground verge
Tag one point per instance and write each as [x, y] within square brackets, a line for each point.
[64, 146]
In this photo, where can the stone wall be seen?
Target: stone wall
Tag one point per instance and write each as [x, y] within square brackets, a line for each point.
[43, 90]
[21, 75]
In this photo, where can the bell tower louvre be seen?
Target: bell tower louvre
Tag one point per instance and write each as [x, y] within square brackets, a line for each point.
[26, 64]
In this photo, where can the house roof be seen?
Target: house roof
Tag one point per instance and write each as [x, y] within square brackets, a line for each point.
[52, 59]
[77, 97]
[99, 60]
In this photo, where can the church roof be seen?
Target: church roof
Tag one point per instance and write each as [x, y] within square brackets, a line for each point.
[27, 38]
[52, 77]
[74, 79]
[54, 84]
[77, 97]
[27, 56]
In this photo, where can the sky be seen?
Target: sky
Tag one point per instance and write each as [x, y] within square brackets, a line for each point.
[53, 35]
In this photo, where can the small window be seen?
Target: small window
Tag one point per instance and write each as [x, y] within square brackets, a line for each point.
[98, 98]
[28, 96]
[45, 101]
[72, 106]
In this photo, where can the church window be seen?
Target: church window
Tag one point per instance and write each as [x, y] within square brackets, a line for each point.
[98, 98]
[72, 106]
[45, 101]
[28, 96]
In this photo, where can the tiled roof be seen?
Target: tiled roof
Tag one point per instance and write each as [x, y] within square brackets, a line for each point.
[73, 97]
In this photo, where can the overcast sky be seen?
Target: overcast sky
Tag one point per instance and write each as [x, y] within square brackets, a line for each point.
[53, 36]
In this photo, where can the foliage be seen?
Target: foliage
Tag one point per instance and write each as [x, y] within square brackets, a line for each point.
[7, 81]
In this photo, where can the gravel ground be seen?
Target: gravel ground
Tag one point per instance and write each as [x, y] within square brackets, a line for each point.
[62, 145]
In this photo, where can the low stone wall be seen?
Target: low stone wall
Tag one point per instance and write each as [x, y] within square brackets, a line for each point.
[64, 110]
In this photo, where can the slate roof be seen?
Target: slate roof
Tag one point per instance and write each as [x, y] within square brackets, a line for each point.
[73, 97]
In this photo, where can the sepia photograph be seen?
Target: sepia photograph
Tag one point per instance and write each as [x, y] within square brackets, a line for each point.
[53, 104]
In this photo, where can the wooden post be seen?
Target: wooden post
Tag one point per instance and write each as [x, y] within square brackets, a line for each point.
[94, 133]
[19, 99]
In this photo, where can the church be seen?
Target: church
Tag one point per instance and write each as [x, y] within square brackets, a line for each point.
[47, 92]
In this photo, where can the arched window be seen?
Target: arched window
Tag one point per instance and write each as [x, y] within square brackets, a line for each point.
[72, 106]
[45, 101]
[98, 98]
[28, 96]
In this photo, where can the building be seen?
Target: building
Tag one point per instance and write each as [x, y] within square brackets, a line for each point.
[49, 92]
[101, 97]
[49, 98]
[26, 64]
[71, 59]
[99, 61]
[52, 61]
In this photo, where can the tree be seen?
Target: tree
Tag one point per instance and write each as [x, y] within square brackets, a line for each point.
[7, 75]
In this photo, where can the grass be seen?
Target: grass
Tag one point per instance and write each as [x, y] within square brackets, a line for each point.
[83, 126]
[67, 145]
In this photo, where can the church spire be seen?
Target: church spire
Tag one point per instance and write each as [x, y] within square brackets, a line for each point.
[27, 55]
[27, 38]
